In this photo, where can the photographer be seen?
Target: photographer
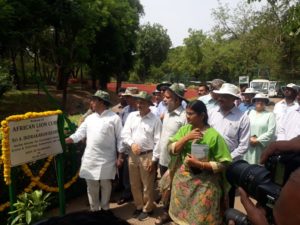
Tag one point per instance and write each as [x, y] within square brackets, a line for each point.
[281, 147]
[286, 209]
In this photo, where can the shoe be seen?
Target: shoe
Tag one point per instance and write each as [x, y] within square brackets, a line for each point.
[165, 218]
[136, 213]
[144, 215]
[123, 201]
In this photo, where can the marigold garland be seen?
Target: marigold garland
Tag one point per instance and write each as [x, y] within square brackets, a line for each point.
[5, 137]
[5, 157]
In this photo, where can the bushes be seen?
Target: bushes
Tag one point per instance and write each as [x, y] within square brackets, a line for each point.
[5, 81]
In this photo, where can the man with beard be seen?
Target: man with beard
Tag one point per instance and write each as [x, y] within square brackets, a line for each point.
[231, 123]
[174, 118]
[286, 105]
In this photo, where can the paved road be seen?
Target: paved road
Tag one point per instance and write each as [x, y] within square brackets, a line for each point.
[124, 211]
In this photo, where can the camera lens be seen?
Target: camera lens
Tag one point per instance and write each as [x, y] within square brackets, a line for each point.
[238, 217]
[242, 174]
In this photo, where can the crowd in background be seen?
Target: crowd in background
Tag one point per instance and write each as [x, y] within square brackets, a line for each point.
[163, 132]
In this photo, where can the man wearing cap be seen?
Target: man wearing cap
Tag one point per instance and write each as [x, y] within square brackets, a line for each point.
[283, 107]
[231, 123]
[131, 107]
[174, 118]
[102, 130]
[210, 100]
[141, 133]
[247, 104]
[131, 103]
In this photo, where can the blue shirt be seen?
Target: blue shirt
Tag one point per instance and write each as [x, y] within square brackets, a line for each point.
[246, 107]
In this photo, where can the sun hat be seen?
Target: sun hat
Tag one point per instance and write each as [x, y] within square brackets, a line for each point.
[144, 96]
[178, 89]
[103, 95]
[163, 84]
[261, 96]
[292, 86]
[249, 91]
[228, 89]
[130, 91]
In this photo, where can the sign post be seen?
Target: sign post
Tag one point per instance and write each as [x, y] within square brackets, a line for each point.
[31, 137]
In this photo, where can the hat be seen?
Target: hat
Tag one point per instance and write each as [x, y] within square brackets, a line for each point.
[178, 89]
[216, 84]
[163, 84]
[144, 96]
[228, 89]
[260, 96]
[249, 91]
[130, 91]
[103, 95]
[155, 92]
[293, 86]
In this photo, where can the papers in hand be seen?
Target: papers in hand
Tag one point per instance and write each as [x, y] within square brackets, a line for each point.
[200, 151]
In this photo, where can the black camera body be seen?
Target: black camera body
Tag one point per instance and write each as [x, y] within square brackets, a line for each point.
[263, 183]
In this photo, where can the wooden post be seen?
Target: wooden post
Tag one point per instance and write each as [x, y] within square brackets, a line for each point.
[60, 167]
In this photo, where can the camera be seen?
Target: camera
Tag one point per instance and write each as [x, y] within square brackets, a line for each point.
[263, 183]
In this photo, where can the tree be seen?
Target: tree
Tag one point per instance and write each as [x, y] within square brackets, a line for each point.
[112, 52]
[153, 44]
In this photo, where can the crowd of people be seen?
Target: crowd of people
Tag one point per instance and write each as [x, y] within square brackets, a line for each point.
[189, 143]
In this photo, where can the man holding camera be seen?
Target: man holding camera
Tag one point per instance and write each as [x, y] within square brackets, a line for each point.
[286, 209]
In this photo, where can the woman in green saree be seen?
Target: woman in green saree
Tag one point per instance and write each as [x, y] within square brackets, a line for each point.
[199, 186]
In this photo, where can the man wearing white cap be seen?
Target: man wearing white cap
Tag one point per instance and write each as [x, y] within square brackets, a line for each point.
[247, 104]
[231, 123]
[282, 108]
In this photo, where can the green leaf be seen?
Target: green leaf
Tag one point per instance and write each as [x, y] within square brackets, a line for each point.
[17, 219]
[28, 217]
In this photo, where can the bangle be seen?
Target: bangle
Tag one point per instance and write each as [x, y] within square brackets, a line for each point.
[202, 166]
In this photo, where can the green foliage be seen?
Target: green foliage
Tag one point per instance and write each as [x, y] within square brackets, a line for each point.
[153, 44]
[5, 81]
[29, 208]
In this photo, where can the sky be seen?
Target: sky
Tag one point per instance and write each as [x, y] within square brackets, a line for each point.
[177, 16]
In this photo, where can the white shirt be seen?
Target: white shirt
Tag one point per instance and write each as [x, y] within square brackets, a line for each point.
[103, 135]
[125, 112]
[281, 109]
[234, 127]
[171, 123]
[290, 127]
[144, 131]
[209, 102]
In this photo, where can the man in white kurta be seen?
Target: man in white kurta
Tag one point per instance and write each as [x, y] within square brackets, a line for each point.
[102, 130]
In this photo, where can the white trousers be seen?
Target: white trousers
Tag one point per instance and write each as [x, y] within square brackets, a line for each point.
[93, 188]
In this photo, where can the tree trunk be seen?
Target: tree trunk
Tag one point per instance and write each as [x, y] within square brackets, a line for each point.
[23, 68]
[59, 78]
[119, 82]
[81, 78]
[13, 71]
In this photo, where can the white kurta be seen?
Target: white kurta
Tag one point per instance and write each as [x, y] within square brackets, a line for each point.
[102, 134]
